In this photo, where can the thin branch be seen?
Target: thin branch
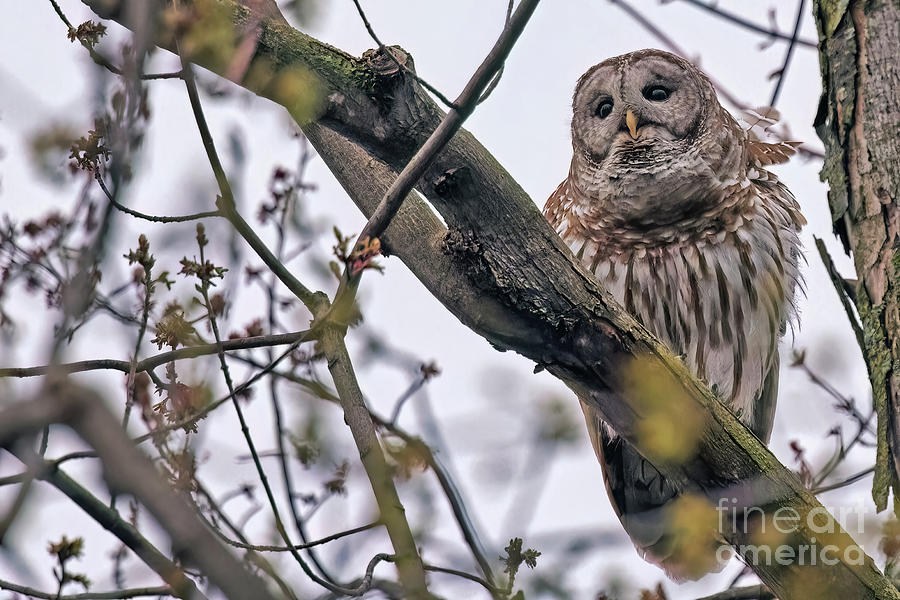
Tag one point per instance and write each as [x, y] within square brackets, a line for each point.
[259, 561]
[128, 471]
[495, 591]
[356, 414]
[737, 20]
[384, 50]
[451, 492]
[226, 203]
[280, 430]
[102, 60]
[258, 341]
[312, 301]
[306, 546]
[50, 464]
[408, 393]
[782, 73]
[844, 292]
[163, 590]
[445, 480]
[192, 419]
[844, 482]
[152, 218]
[110, 520]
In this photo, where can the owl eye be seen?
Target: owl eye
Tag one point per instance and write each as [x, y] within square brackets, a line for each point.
[656, 93]
[604, 108]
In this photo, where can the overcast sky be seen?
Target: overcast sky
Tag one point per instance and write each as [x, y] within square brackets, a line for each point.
[44, 78]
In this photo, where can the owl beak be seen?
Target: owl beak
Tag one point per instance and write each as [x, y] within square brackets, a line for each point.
[631, 122]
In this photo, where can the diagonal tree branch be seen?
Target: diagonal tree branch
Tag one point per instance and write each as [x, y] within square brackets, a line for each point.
[520, 288]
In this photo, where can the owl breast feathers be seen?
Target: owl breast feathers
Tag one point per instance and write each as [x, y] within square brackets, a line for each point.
[669, 204]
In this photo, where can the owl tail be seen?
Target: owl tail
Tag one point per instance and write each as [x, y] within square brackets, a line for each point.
[675, 531]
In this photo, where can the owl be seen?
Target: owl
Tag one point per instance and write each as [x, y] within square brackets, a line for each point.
[668, 203]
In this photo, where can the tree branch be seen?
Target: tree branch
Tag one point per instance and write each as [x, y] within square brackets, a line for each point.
[113, 595]
[392, 513]
[257, 341]
[741, 22]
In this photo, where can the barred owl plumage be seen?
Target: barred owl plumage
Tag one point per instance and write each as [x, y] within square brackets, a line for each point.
[669, 204]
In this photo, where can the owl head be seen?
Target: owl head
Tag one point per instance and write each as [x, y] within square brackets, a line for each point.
[649, 99]
[648, 130]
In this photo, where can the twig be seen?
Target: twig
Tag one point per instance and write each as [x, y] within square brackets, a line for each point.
[291, 497]
[152, 218]
[844, 482]
[110, 520]
[381, 47]
[843, 402]
[190, 420]
[748, 24]
[451, 492]
[453, 495]
[307, 545]
[408, 393]
[131, 389]
[102, 60]
[52, 463]
[129, 471]
[226, 203]
[845, 294]
[163, 590]
[152, 362]
[258, 560]
[790, 52]
[495, 591]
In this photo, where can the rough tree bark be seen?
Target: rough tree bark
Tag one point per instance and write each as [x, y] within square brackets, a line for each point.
[859, 121]
[503, 272]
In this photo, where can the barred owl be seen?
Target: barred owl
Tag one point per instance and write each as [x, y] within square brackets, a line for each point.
[669, 204]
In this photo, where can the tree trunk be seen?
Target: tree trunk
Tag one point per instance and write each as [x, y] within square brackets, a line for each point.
[859, 122]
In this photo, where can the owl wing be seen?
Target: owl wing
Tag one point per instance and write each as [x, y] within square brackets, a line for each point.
[757, 123]
[554, 208]
[764, 409]
[763, 154]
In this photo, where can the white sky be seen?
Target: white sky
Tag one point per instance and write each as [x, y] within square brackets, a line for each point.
[483, 399]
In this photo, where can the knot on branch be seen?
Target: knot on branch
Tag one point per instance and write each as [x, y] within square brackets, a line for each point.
[456, 184]
[389, 62]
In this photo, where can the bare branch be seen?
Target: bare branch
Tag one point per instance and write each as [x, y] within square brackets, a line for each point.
[113, 595]
[356, 414]
[437, 93]
[748, 24]
[782, 72]
[259, 341]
